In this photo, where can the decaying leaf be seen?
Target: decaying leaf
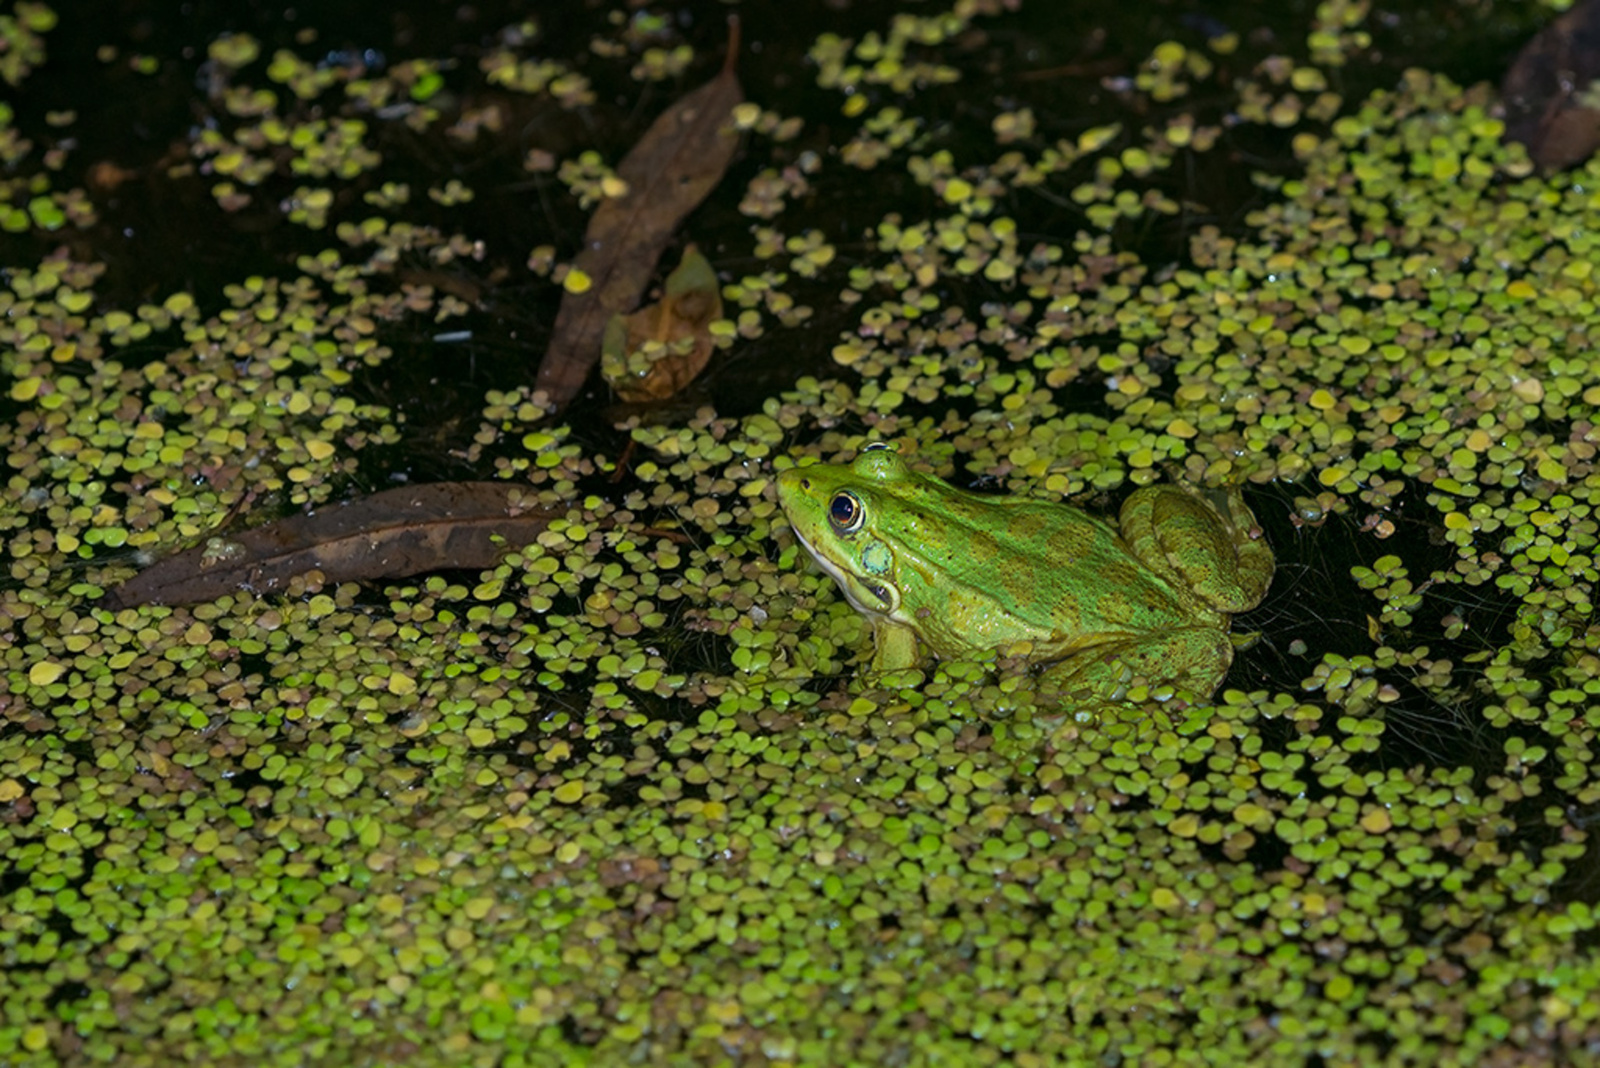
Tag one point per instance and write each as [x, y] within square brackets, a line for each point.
[1552, 102]
[678, 161]
[388, 535]
[656, 351]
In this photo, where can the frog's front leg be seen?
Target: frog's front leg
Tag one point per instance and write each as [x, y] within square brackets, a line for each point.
[1190, 658]
[895, 646]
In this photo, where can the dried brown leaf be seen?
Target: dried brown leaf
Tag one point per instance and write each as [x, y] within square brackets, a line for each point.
[659, 349]
[1551, 101]
[672, 168]
[387, 535]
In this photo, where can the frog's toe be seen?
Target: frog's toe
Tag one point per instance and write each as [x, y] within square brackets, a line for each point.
[1244, 641]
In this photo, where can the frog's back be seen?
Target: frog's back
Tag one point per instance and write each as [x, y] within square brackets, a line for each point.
[1086, 576]
[1002, 570]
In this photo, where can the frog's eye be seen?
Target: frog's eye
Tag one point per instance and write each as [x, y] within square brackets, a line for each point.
[875, 446]
[846, 513]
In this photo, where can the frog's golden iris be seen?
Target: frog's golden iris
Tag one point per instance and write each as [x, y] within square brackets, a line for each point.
[968, 576]
[846, 512]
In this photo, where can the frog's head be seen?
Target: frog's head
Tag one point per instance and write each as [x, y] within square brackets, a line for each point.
[838, 511]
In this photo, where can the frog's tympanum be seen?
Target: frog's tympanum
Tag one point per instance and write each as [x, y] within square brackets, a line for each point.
[968, 576]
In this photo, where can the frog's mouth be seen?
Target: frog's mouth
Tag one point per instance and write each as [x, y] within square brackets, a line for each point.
[869, 598]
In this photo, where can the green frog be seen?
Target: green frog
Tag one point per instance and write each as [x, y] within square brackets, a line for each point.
[963, 576]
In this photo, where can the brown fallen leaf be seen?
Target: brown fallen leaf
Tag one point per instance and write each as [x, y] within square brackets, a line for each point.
[1552, 104]
[388, 535]
[677, 162]
[656, 351]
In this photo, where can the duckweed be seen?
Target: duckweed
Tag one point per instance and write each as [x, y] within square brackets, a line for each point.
[623, 796]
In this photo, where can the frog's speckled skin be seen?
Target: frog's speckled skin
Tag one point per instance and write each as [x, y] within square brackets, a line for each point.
[968, 576]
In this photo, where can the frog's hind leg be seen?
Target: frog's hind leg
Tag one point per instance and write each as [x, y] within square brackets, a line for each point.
[1195, 659]
[1206, 540]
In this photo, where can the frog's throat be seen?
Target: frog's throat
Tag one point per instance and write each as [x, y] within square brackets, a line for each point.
[883, 602]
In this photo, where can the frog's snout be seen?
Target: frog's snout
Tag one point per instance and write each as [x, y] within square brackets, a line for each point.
[792, 479]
